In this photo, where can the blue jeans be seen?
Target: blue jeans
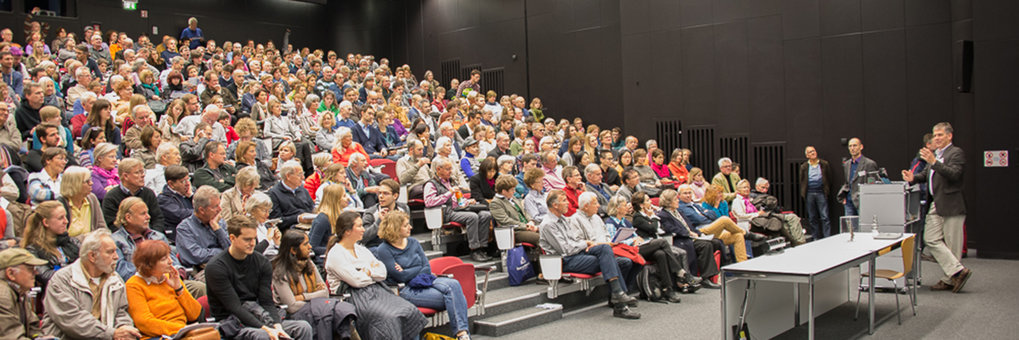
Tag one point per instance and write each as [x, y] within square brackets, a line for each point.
[598, 259]
[817, 213]
[851, 208]
[445, 293]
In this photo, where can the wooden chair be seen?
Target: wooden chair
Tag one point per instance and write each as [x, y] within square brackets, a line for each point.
[891, 275]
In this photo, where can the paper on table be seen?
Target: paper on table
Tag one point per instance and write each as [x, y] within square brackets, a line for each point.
[623, 234]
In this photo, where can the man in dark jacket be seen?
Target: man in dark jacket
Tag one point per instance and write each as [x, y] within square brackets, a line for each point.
[815, 188]
[175, 200]
[216, 172]
[943, 230]
[857, 169]
[132, 183]
[289, 197]
[27, 114]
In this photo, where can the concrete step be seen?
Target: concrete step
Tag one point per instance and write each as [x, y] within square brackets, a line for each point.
[517, 320]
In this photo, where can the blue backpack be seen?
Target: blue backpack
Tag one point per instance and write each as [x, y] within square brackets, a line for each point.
[518, 266]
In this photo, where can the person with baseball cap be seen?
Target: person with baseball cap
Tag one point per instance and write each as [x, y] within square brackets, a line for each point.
[17, 315]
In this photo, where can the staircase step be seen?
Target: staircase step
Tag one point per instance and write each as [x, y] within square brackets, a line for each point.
[521, 319]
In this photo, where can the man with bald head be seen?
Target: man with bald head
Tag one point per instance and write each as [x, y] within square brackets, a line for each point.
[856, 169]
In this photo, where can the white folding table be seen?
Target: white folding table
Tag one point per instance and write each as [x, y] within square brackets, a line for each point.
[807, 264]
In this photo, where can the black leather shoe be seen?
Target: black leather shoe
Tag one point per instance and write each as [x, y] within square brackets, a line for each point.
[754, 237]
[621, 299]
[479, 256]
[672, 296]
[624, 312]
[709, 284]
[689, 289]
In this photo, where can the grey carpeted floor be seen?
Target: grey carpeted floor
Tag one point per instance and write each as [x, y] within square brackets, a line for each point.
[987, 309]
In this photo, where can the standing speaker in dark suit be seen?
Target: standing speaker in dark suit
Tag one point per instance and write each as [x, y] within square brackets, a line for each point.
[943, 177]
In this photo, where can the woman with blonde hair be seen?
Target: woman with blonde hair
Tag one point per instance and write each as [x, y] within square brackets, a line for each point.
[45, 236]
[713, 201]
[233, 200]
[333, 204]
[696, 181]
[82, 208]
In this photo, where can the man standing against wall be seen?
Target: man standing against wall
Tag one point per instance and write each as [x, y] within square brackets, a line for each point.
[856, 168]
[943, 230]
[815, 186]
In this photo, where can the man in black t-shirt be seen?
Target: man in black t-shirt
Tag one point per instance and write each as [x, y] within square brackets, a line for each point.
[240, 292]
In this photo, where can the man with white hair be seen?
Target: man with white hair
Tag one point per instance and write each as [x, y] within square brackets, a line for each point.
[593, 174]
[363, 183]
[440, 192]
[550, 164]
[558, 236]
[201, 236]
[142, 116]
[792, 230]
[166, 155]
[592, 227]
[343, 118]
[289, 197]
[82, 77]
[86, 299]
[725, 178]
[328, 83]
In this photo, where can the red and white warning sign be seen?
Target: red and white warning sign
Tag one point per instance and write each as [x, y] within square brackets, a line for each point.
[996, 158]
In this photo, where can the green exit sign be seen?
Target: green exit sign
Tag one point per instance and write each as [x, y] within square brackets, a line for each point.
[130, 5]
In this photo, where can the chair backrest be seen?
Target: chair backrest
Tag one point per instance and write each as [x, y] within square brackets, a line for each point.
[403, 194]
[433, 218]
[439, 264]
[388, 167]
[907, 254]
[464, 273]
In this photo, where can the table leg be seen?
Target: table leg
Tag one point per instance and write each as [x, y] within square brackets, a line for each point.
[810, 306]
[870, 292]
[725, 315]
[796, 305]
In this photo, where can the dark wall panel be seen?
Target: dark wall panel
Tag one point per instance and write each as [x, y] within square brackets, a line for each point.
[842, 85]
[804, 97]
[801, 18]
[840, 16]
[881, 14]
[698, 81]
[766, 78]
[884, 88]
[731, 70]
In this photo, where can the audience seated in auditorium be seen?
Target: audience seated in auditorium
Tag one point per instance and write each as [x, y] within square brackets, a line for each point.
[299, 286]
[580, 255]
[439, 192]
[289, 197]
[240, 290]
[407, 264]
[132, 184]
[700, 252]
[87, 299]
[82, 208]
[508, 211]
[201, 236]
[389, 192]
[351, 268]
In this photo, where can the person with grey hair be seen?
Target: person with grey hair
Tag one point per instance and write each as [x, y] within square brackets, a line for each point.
[289, 197]
[18, 319]
[440, 192]
[362, 181]
[201, 236]
[257, 207]
[413, 169]
[726, 178]
[216, 172]
[82, 77]
[167, 154]
[192, 35]
[86, 299]
[593, 174]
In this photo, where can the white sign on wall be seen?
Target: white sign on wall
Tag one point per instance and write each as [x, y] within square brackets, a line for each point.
[996, 158]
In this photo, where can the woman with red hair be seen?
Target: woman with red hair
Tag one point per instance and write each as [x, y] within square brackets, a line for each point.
[157, 299]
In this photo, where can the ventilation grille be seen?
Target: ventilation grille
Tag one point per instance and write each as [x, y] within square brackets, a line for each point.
[702, 143]
[669, 135]
[493, 79]
[734, 147]
[450, 70]
[769, 162]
